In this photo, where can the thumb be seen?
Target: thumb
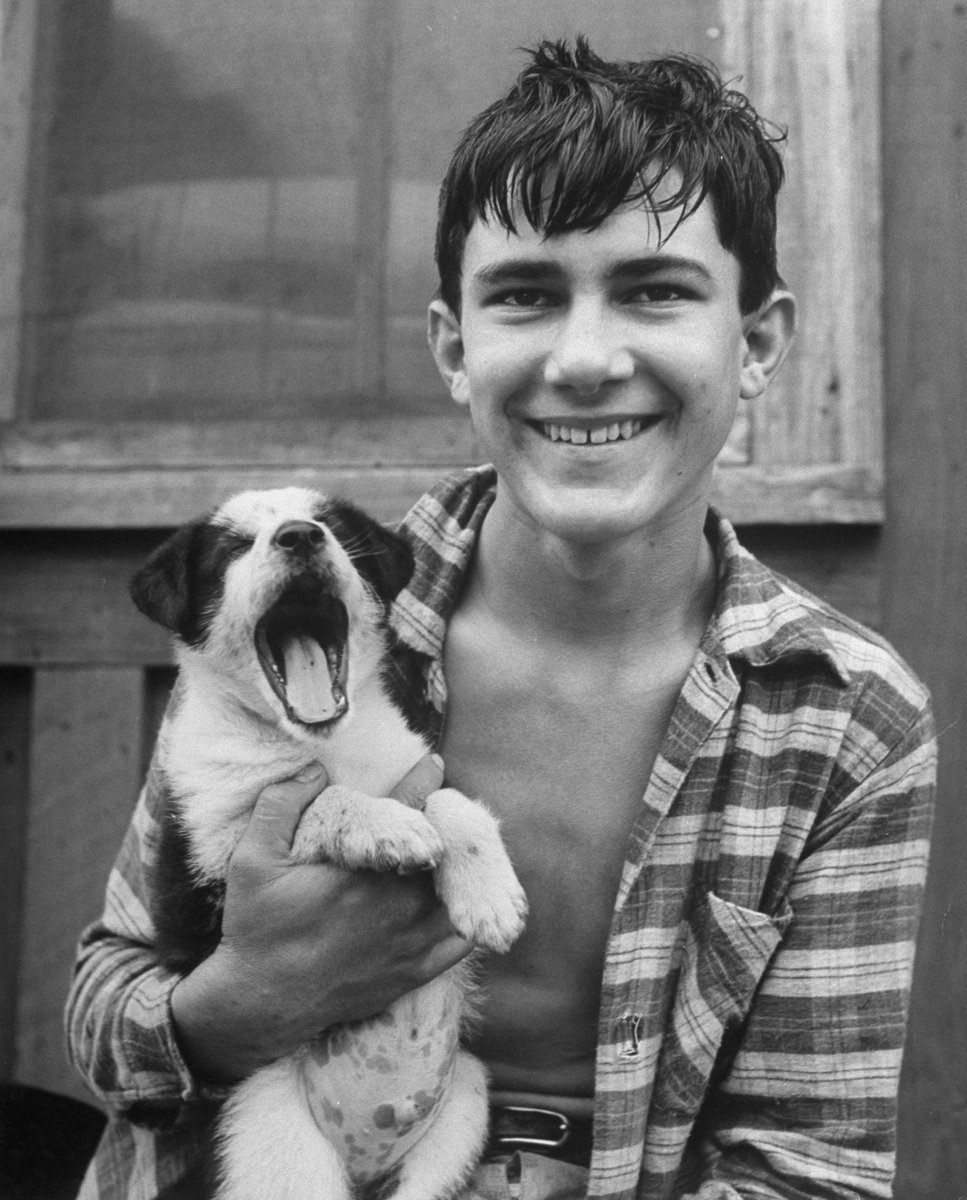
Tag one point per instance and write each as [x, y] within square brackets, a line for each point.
[422, 779]
[413, 789]
[278, 810]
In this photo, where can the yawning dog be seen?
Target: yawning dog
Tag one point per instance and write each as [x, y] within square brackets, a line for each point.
[278, 602]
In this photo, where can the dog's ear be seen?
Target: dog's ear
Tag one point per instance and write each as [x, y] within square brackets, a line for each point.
[161, 588]
[382, 557]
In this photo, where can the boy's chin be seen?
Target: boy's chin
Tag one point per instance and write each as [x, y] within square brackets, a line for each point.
[586, 517]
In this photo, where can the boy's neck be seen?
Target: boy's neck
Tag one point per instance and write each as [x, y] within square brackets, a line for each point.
[648, 586]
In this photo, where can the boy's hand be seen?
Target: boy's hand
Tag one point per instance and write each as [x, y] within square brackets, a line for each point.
[306, 946]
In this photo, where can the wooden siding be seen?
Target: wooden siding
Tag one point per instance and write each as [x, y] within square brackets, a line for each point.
[923, 572]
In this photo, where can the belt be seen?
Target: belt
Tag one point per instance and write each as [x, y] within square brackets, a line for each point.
[538, 1131]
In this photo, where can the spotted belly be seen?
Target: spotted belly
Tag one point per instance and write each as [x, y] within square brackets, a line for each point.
[375, 1086]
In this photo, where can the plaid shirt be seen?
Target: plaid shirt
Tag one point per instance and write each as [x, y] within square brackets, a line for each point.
[758, 968]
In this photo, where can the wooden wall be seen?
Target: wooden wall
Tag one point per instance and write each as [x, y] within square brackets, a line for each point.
[70, 640]
[923, 569]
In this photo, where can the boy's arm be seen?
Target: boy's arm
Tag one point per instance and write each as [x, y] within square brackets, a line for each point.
[120, 1036]
[807, 1109]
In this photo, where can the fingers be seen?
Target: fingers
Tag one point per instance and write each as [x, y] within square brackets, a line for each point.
[279, 809]
[424, 778]
[446, 954]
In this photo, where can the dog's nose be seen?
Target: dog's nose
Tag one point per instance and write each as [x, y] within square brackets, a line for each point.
[299, 537]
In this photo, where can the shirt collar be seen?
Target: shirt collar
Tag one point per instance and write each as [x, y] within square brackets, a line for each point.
[442, 529]
[760, 617]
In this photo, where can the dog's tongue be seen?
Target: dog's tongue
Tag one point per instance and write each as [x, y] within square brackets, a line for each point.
[309, 686]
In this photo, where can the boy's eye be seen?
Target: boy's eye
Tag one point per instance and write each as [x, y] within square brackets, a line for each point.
[659, 293]
[522, 298]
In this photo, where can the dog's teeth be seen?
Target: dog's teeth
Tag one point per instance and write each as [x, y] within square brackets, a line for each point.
[309, 686]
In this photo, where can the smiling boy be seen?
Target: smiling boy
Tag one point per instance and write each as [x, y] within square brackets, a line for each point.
[714, 788]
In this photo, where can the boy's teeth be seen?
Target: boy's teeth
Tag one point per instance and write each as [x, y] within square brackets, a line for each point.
[618, 431]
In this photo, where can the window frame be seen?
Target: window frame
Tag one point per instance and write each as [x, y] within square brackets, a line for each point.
[109, 473]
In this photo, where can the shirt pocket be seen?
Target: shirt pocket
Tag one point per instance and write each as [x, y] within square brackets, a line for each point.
[726, 951]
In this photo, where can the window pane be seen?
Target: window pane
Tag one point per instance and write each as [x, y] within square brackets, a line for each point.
[201, 197]
[239, 199]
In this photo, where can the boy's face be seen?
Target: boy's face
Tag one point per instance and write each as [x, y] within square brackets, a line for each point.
[602, 371]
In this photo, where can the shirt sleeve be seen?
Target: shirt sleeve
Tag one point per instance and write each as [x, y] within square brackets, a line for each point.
[119, 1027]
[807, 1109]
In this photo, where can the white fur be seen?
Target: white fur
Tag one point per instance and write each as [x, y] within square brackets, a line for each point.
[226, 741]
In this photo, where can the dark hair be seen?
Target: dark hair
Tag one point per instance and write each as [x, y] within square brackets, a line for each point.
[577, 136]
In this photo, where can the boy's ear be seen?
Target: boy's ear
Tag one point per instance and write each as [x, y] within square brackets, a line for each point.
[768, 334]
[446, 341]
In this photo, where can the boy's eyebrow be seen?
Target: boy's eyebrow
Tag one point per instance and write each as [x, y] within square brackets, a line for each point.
[514, 270]
[656, 264]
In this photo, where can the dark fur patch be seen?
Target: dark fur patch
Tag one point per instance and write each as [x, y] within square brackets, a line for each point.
[187, 916]
[182, 582]
[404, 678]
[381, 556]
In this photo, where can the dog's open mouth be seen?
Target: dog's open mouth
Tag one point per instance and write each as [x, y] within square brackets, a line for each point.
[302, 649]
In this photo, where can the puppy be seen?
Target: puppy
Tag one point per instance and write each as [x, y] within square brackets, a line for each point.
[278, 603]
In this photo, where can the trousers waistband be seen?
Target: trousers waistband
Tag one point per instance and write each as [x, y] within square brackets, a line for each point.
[538, 1131]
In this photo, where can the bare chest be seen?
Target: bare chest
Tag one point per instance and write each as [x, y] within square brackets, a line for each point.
[562, 754]
[561, 749]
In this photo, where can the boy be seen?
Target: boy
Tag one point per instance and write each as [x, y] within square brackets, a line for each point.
[715, 789]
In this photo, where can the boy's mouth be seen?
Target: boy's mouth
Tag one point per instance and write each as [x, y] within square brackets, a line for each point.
[593, 434]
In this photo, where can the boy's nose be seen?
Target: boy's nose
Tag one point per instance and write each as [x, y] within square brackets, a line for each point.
[586, 355]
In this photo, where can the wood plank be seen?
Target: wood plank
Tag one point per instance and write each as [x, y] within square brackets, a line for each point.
[65, 601]
[15, 694]
[813, 67]
[374, 179]
[145, 498]
[925, 550]
[85, 768]
[402, 441]
[21, 27]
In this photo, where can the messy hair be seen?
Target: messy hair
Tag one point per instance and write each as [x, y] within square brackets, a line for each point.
[577, 137]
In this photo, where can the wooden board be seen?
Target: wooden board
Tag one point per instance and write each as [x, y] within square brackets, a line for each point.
[64, 601]
[147, 498]
[85, 771]
[812, 66]
[15, 691]
[925, 546]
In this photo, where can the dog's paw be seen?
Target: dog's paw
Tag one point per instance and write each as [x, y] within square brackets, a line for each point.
[476, 880]
[407, 843]
[493, 916]
[366, 832]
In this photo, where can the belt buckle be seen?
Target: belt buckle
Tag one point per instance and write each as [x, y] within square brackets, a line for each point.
[536, 1143]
